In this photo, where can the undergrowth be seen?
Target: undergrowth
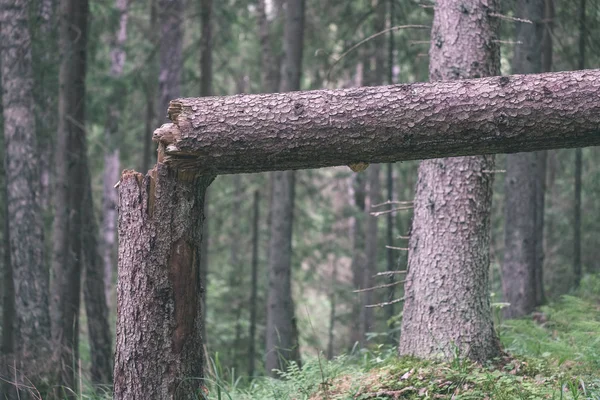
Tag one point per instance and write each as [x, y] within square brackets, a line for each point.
[554, 354]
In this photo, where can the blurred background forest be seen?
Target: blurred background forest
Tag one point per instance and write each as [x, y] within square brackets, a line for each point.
[136, 55]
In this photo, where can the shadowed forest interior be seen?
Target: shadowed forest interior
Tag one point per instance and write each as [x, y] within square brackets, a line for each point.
[317, 272]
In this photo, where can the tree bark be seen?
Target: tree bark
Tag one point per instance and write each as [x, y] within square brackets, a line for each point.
[447, 310]
[312, 129]
[32, 355]
[159, 346]
[522, 208]
[282, 331]
[112, 149]
[70, 181]
[253, 287]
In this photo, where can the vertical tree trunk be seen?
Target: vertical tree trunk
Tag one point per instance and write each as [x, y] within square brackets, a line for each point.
[159, 347]
[171, 60]
[24, 220]
[358, 252]
[524, 191]
[282, 331]
[96, 309]
[151, 89]
[237, 273]
[447, 309]
[332, 311]
[206, 89]
[8, 301]
[111, 143]
[67, 260]
[577, 270]
[269, 67]
[253, 287]
[371, 247]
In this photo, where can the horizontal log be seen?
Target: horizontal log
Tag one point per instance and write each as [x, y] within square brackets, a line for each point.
[322, 128]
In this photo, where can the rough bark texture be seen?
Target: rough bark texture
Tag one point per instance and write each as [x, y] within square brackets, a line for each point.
[159, 347]
[252, 133]
[8, 305]
[30, 274]
[96, 308]
[253, 287]
[282, 331]
[521, 232]
[171, 58]
[70, 180]
[111, 153]
[447, 309]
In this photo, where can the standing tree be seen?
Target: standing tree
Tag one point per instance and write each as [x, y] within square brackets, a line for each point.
[447, 304]
[523, 237]
[31, 360]
[282, 333]
[70, 184]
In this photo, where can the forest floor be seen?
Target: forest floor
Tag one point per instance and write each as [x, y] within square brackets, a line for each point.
[553, 354]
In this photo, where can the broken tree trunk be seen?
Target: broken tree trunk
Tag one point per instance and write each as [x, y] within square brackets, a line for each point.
[253, 133]
[159, 346]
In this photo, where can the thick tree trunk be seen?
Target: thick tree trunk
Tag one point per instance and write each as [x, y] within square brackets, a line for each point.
[253, 287]
[170, 53]
[522, 208]
[447, 308]
[159, 347]
[282, 330]
[111, 152]
[32, 355]
[96, 308]
[312, 129]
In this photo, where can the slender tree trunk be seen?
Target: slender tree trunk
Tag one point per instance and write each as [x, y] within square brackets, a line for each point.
[96, 309]
[171, 59]
[523, 193]
[112, 151]
[151, 89]
[332, 310]
[160, 229]
[269, 67]
[282, 330]
[254, 287]
[447, 309]
[24, 219]
[8, 302]
[358, 252]
[235, 278]
[577, 270]
[371, 247]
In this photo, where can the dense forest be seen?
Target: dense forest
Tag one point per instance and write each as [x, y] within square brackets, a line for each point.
[283, 239]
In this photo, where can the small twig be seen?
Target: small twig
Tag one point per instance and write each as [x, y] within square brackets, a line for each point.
[378, 213]
[507, 41]
[402, 237]
[513, 19]
[389, 202]
[397, 248]
[388, 303]
[416, 42]
[493, 171]
[378, 287]
[389, 273]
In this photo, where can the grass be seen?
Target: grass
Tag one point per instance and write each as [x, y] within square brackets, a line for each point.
[555, 355]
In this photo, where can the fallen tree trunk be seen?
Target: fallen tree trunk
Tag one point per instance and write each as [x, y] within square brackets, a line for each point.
[312, 129]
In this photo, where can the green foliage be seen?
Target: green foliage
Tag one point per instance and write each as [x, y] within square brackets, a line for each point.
[556, 359]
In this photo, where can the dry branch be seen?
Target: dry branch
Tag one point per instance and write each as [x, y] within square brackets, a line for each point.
[312, 129]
